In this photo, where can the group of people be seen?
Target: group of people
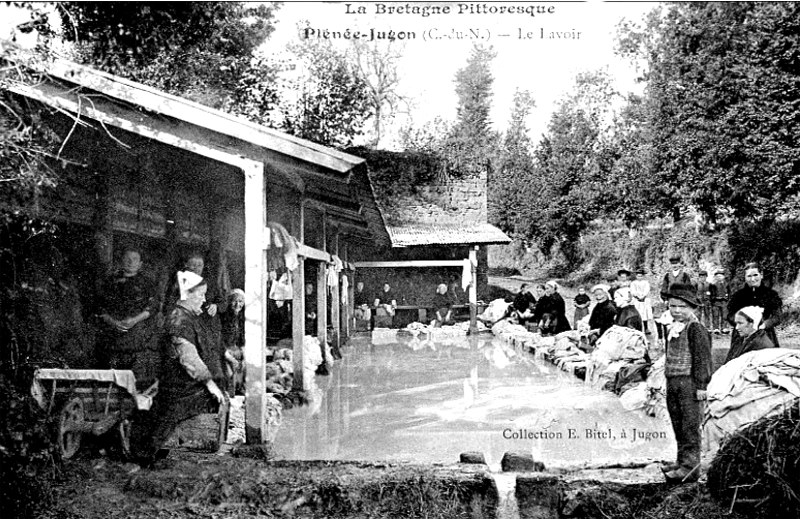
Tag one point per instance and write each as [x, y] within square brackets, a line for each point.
[190, 339]
[545, 311]
[379, 309]
[754, 310]
[695, 309]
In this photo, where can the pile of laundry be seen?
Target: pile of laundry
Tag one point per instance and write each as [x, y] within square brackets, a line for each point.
[619, 360]
[567, 354]
[280, 372]
[444, 335]
[514, 334]
[757, 385]
[651, 395]
[495, 311]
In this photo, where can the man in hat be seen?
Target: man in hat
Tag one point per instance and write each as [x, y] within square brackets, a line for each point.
[688, 371]
[675, 275]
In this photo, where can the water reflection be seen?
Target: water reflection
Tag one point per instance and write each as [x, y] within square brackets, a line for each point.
[423, 401]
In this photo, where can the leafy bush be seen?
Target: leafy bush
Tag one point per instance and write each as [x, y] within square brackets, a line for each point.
[27, 453]
[773, 244]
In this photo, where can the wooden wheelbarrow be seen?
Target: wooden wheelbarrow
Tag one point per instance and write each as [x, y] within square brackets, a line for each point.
[90, 401]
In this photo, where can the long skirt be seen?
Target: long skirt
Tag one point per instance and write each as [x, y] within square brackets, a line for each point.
[645, 308]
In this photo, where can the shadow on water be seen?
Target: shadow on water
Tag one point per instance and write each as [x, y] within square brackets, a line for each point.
[398, 398]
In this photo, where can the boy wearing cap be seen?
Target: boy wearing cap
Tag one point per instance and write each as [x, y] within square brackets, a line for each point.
[719, 292]
[676, 275]
[688, 371]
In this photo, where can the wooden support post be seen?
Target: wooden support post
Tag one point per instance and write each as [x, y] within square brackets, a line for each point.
[351, 309]
[346, 312]
[299, 324]
[322, 306]
[473, 290]
[336, 302]
[336, 305]
[255, 285]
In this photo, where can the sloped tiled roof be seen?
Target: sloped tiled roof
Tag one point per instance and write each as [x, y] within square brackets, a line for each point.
[429, 234]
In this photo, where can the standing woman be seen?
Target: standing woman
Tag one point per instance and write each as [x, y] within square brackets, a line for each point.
[754, 293]
[192, 366]
[232, 320]
[640, 290]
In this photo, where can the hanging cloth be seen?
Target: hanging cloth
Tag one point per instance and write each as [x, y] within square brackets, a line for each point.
[466, 274]
[345, 289]
[334, 268]
[282, 239]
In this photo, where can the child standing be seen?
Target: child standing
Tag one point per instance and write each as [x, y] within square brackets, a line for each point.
[719, 293]
[688, 370]
[581, 302]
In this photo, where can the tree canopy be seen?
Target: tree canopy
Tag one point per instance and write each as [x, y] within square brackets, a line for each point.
[197, 50]
[724, 101]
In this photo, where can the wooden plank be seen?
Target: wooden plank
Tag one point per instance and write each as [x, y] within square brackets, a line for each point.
[409, 263]
[473, 290]
[312, 253]
[299, 325]
[255, 310]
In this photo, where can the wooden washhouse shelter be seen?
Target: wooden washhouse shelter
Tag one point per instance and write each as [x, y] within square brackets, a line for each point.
[141, 166]
[438, 230]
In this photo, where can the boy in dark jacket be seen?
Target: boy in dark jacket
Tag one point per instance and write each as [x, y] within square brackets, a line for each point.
[688, 371]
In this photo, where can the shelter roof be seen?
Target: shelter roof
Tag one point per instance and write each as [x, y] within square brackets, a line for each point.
[323, 174]
[430, 234]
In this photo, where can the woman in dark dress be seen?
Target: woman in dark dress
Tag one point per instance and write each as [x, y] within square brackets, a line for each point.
[190, 372]
[552, 309]
[442, 306]
[746, 324]
[754, 293]
[627, 314]
[604, 313]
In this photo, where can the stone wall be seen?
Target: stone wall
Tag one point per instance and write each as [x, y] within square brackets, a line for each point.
[450, 202]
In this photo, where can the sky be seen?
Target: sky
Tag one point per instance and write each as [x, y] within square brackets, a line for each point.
[582, 39]
[540, 49]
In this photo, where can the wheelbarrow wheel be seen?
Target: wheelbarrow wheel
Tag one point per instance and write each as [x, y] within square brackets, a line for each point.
[69, 432]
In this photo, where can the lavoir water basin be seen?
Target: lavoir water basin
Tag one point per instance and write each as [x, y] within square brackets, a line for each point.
[402, 399]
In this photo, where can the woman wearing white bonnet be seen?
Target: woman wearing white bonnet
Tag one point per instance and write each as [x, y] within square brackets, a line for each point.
[747, 321]
[191, 370]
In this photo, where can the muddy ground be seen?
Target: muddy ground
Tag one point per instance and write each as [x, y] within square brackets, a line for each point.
[192, 484]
